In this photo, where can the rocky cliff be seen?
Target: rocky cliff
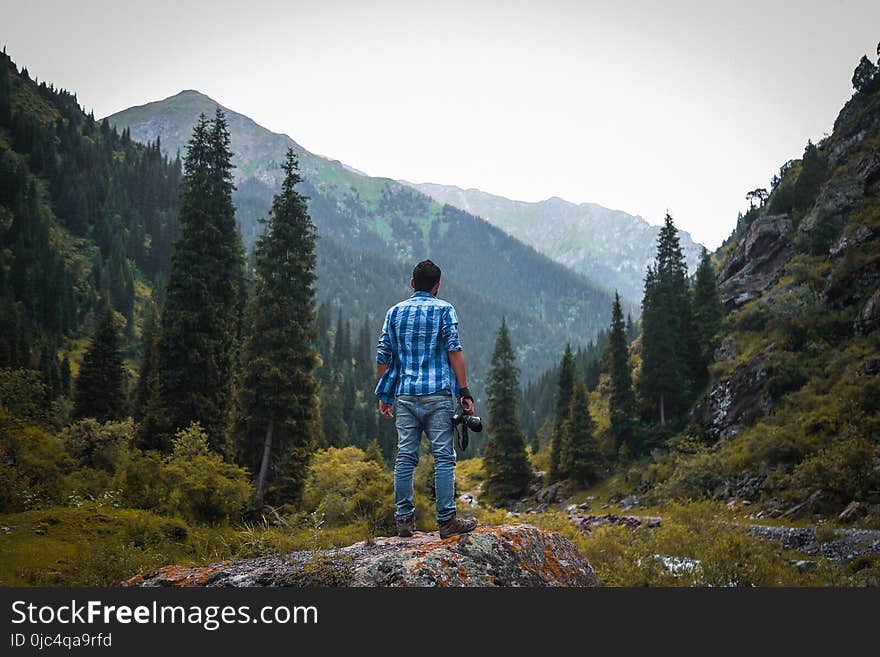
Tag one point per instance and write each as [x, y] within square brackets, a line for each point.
[509, 555]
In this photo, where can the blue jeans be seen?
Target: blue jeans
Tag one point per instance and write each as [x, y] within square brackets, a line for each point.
[433, 415]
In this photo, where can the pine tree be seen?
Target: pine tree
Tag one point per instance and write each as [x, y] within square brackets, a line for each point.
[564, 388]
[277, 394]
[622, 402]
[707, 311]
[581, 459]
[100, 386]
[65, 376]
[200, 318]
[5, 92]
[508, 472]
[374, 453]
[669, 347]
[149, 365]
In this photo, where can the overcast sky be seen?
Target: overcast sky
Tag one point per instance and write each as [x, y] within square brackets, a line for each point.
[638, 106]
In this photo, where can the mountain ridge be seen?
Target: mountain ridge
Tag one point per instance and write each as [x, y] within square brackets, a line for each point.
[603, 244]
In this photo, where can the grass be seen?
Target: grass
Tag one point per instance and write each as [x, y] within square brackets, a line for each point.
[92, 546]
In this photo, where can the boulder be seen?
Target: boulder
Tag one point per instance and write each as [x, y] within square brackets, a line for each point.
[507, 555]
[756, 261]
[631, 502]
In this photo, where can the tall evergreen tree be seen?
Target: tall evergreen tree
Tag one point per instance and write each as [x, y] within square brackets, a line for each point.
[564, 388]
[581, 458]
[622, 402]
[669, 348]
[200, 318]
[277, 394]
[707, 311]
[149, 366]
[508, 472]
[5, 91]
[100, 386]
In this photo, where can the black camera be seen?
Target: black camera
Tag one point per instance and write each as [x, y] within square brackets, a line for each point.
[472, 422]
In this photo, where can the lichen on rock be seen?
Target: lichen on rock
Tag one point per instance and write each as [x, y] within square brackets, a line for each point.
[507, 555]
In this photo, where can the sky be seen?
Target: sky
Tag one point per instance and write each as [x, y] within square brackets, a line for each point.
[638, 106]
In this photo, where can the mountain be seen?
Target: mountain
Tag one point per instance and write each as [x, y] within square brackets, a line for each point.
[605, 245]
[790, 421]
[372, 230]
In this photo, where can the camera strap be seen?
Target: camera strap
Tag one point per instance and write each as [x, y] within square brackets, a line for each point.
[461, 432]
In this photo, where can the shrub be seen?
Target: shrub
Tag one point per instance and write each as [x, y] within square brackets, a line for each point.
[33, 465]
[848, 469]
[190, 442]
[205, 488]
[143, 481]
[102, 446]
[346, 485]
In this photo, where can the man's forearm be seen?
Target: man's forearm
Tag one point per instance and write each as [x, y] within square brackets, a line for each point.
[380, 370]
[456, 359]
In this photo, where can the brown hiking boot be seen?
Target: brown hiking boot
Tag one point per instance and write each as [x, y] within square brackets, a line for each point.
[406, 527]
[455, 526]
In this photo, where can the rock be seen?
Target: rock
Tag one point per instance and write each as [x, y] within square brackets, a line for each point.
[805, 565]
[631, 502]
[469, 499]
[837, 196]
[756, 261]
[575, 508]
[726, 349]
[733, 403]
[852, 511]
[844, 147]
[507, 555]
[806, 506]
[590, 522]
[542, 498]
[869, 315]
[858, 237]
[871, 366]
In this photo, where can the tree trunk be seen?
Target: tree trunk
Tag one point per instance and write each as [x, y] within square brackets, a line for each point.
[662, 412]
[264, 464]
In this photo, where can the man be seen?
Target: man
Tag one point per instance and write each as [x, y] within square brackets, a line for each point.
[421, 370]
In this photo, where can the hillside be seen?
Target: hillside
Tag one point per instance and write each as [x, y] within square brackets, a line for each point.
[387, 226]
[85, 214]
[605, 245]
[791, 419]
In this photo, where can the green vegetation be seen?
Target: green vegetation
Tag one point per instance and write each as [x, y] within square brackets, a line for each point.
[200, 320]
[274, 423]
[508, 473]
[100, 384]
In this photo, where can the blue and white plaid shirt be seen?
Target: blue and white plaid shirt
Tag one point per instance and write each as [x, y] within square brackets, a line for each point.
[417, 335]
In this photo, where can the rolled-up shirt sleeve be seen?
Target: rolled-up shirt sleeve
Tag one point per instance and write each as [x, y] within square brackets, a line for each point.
[383, 349]
[449, 330]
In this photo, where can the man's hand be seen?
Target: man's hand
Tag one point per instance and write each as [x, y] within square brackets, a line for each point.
[386, 410]
[466, 400]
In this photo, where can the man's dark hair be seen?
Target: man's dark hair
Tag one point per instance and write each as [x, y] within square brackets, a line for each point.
[426, 274]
